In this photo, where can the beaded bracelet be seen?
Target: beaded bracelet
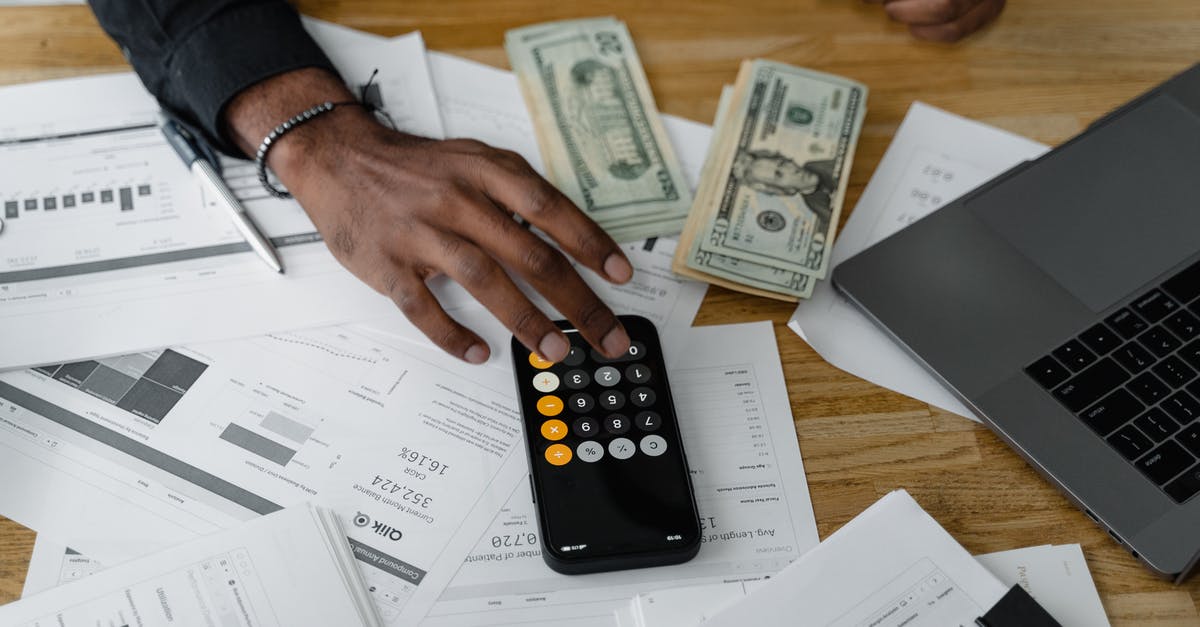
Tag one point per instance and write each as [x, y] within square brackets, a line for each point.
[260, 158]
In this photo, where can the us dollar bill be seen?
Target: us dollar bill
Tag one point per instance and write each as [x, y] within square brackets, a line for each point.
[597, 126]
[728, 272]
[788, 143]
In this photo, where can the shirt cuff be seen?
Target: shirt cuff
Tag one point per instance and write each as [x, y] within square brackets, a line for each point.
[250, 43]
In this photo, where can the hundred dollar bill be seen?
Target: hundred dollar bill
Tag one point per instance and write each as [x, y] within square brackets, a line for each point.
[735, 274]
[787, 144]
[597, 125]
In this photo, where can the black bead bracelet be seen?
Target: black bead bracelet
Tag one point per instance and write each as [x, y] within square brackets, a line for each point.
[260, 158]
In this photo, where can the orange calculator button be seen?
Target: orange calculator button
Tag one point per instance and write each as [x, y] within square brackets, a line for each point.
[554, 429]
[558, 454]
[550, 405]
[536, 361]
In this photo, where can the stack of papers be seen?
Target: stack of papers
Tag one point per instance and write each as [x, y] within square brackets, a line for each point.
[892, 565]
[290, 568]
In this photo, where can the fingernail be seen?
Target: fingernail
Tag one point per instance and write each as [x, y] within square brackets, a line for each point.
[553, 347]
[617, 268]
[615, 343]
[477, 354]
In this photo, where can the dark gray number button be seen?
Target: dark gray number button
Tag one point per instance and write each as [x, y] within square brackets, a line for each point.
[616, 424]
[581, 403]
[576, 379]
[612, 400]
[642, 397]
[575, 356]
[648, 421]
[585, 427]
[637, 373]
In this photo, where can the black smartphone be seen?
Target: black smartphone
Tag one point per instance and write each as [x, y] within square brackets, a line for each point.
[609, 476]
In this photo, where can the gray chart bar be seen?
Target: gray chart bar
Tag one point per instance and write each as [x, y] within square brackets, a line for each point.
[126, 199]
[288, 428]
[10, 209]
[267, 449]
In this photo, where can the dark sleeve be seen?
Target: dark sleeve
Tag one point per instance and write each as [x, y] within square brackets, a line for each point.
[195, 56]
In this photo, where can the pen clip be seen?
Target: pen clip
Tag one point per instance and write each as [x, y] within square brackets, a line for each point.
[185, 143]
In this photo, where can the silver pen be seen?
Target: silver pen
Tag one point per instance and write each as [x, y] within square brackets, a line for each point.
[204, 172]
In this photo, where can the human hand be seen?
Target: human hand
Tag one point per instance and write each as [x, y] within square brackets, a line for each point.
[942, 20]
[396, 209]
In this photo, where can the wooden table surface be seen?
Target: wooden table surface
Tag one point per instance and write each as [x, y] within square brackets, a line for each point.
[1044, 70]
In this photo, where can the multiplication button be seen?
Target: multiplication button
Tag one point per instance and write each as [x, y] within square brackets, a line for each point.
[653, 445]
[554, 429]
[621, 448]
[590, 451]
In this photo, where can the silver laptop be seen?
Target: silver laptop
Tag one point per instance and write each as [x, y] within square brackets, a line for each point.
[1061, 302]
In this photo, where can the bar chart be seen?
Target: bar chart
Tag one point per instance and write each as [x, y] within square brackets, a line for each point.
[147, 385]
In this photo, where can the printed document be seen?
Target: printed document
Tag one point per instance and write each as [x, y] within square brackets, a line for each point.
[934, 158]
[289, 568]
[891, 566]
[109, 245]
[413, 449]
[755, 511]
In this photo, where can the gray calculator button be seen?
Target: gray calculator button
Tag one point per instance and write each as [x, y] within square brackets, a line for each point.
[653, 445]
[637, 373]
[622, 448]
[585, 427]
[648, 421]
[580, 403]
[590, 451]
[612, 400]
[608, 376]
[576, 379]
[642, 397]
[545, 382]
[575, 356]
[617, 424]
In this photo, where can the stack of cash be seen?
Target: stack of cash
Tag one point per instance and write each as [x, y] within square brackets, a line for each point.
[601, 138]
[773, 183]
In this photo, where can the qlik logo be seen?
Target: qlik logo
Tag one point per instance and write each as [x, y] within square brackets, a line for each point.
[378, 528]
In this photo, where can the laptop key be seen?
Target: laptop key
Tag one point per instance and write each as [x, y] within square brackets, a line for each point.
[1074, 355]
[1185, 286]
[1190, 439]
[1186, 486]
[1174, 372]
[1191, 353]
[1100, 339]
[1110, 413]
[1148, 388]
[1135, 357]
[1048, 372]
[1156, 424]
[1090, 385]
[1130, 442]
[1164, 462]
[1127, 323]
[1159, 341]
[1182, 406]
[1183, 324]
[1154, 306]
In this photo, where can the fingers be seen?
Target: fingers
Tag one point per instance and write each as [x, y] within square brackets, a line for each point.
[479, 273]
[943, 20]
[971, 21]
[509, 181]
[552, 275]
[419, 305]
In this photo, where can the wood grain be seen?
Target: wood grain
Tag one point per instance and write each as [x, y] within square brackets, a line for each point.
[1045, 69]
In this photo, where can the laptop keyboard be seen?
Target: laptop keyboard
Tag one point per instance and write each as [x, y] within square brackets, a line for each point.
[1135, 380]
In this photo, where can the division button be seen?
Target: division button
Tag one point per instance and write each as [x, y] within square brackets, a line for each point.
[545, 382]
[648, 421]
[550, 405]
[608, 376]
[590, 451]
[576, 379]
[558, 454]
[554, 429]
[616, 424]
[585, 427]
[621, 448]
[642, 397]
[575, 356]
[637, 373]
[536, 361]
[654, 445]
